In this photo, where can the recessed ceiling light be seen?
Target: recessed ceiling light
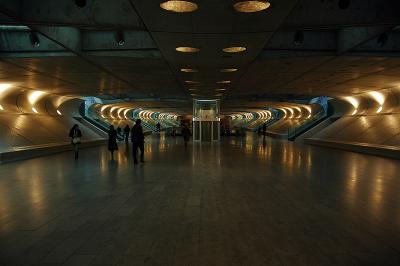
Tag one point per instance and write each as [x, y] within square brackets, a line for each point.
[191, 82]
[224, 82]
[234, 49]
[251, 6]
[193, 94]
[220, 89]
[218, 95]
[186, 49]
[179, 6]
[228, 70]
[193, 89]
[189, 70]
[58, 112]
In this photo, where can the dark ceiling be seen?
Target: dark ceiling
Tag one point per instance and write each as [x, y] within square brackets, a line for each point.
[296, 49]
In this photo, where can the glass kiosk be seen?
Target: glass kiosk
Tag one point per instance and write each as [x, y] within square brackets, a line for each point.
[206, 120]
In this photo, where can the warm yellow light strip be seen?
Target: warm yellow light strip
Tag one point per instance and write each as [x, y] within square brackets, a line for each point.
[234, 49]
[186, 49]
[251, 6]
[179, 6]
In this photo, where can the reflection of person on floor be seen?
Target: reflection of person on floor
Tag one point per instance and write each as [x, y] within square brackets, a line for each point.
[127, 130]
[112, 141]
[186, 134]
[137, 138]
[75, 134]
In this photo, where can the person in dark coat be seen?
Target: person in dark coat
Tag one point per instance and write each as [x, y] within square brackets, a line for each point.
[127, 131]
[158, 126]
[264, 129]
[112, 141]
[137, 138]
[119, 131]
[186, 134]
[75, 134]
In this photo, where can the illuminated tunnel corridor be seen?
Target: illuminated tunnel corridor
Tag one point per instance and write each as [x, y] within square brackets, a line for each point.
[270, 132]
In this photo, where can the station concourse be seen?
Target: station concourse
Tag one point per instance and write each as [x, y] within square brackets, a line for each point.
[271, 132]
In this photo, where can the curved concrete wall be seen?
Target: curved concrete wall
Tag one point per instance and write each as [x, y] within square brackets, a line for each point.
[30, 118]
[282, 127]
[370, 120]
[375, 129]
[29, 130]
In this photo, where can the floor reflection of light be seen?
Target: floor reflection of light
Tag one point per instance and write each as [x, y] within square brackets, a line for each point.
[308, 163]
[353, 181]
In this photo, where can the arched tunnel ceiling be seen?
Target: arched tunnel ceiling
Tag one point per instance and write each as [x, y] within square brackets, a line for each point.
[342, 51]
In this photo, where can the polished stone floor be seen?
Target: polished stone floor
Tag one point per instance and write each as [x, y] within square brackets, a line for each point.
[243, 201]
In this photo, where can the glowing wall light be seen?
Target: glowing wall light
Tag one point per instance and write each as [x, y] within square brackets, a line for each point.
[354, 102]
[120, 110]
[298, 109]
[58, 112]
[34, 110]
[126, 113]
[103, 108]
[290, 111]
[309, 110]
[111, 111]
[284, 113]
[4, 87]
[60, 100]
[1, 108]
[379, 98]
[35, 96]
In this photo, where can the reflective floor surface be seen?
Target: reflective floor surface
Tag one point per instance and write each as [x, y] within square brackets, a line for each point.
[243, 201]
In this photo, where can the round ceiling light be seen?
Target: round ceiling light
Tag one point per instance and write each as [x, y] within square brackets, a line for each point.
[179, 6]
[186, 49]
[224, 82]
[189, 70]
[226, 70]
[234, 49]
[251, 6]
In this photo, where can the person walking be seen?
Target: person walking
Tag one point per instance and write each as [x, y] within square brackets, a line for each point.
[112, 141]
[75, 134]
[137, 138]
[127, 130]
[264, 130]
[186, 134]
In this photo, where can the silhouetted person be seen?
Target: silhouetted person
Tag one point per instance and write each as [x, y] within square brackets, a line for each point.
[264, 129]
[112, 141]
[127, 130]
[137, 137]
[75, 134]
[186, 134]
[158, 126]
